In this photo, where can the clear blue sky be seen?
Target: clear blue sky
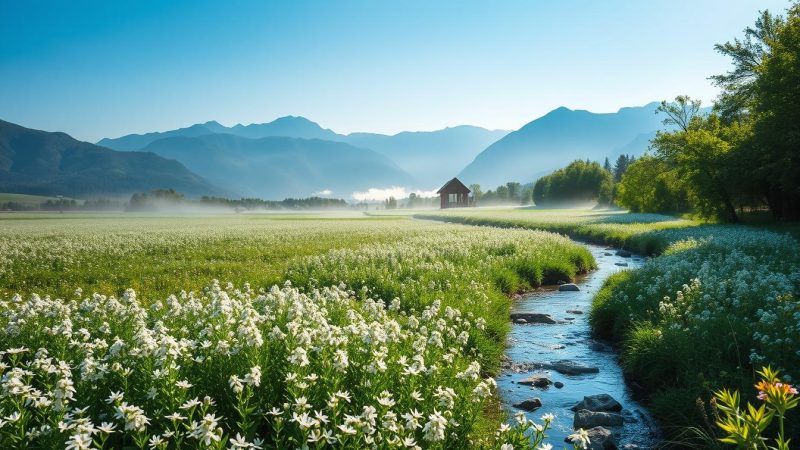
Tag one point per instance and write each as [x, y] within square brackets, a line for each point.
[106, 68]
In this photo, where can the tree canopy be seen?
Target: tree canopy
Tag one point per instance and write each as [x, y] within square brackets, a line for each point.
[580, 181]
[745, 154]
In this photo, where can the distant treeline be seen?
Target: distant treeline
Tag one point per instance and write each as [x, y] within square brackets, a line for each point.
[100, 204]
[509, 193]
[289, 203]
[580, 181]
[160, 199]
[413, 201]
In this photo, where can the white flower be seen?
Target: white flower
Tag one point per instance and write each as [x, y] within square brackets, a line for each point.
[80, 441]
[239, 442]
[580, 437]
[206, 430]
[434, 429]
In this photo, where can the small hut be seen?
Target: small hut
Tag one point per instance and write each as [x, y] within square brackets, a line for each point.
[454, 194]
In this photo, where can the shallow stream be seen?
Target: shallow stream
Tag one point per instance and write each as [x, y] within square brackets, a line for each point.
[536, 345]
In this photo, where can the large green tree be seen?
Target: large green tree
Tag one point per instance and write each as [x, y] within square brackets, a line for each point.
[651, 185]
[580, 181]
[701, 149]
[762, 90]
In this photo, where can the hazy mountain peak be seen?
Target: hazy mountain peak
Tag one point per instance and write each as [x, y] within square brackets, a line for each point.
[558, 137]
[276, 167]
[649, 106]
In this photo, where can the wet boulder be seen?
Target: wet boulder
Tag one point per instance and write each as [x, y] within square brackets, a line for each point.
[589, 419]
[529, 405]
[533, 318]
[538, 381]
[569, 287]
[574, 311]
[598, 402]
[520, 321]
[602, 439]
[569, 367]
[558, 385]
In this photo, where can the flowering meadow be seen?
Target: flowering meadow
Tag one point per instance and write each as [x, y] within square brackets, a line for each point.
[707, 313]
[351, 333]
[718, 303]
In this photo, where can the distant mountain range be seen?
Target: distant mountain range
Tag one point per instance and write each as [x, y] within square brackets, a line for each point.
[295, 157]
[560, 136]
[39, 162]
[429, 156]
[432, 157]
[289, 126]
[277, 167]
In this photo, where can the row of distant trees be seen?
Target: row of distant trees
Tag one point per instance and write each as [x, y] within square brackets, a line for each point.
[580, 181]
[63, 204]
[511, 192]
[413, 201]
[164, 198]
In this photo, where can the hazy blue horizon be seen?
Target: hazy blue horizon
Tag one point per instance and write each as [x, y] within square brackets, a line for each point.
[99, 69]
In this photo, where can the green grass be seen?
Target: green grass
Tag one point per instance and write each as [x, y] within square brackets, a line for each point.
[471, 270]
[646, 234]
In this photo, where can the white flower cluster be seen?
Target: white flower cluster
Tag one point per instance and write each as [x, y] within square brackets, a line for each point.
[732, 291]
[279, 368]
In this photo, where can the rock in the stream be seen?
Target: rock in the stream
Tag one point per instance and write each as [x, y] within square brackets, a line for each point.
[520, 321]
[623, 253]
[574, 311]
[569, 367]
[569, 287]
[600, 439]
[539, 381]
[607, 253]
[621, 264]
[589, 419]
[558, 385]
[533, 318]
[529, 405]
[598, 402]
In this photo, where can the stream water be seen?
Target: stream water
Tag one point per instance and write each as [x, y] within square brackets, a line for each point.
[570, 339]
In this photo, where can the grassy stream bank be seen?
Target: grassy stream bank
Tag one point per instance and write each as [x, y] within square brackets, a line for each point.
[715, 304]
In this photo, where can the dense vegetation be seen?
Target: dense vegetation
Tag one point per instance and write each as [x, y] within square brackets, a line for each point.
[580, 181]
[510, 193]
[179, 365]
[743, 155]
[650, 185]
[720, 302]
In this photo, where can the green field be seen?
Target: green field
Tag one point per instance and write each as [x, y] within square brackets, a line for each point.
[714, 304]
[329, 310]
